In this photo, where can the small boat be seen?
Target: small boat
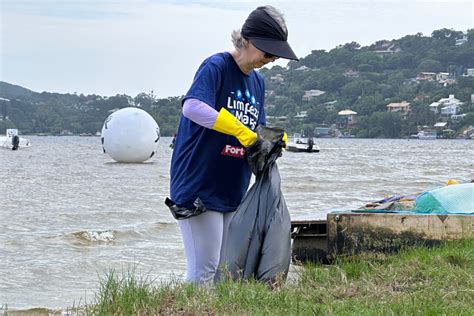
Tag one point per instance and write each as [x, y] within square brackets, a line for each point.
[12, 141]
[346, 135]
[302, 144]
[425, 135]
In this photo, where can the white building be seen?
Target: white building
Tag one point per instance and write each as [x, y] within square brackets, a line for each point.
[302, 114]
[276, 119]
[278, 78]
[347, 117]
[303, 68]
[462, 40]
[449, 106]
[442, 76]
[434, 107]
[440, 125]
[457, 118]
[310, 94]
[449, 110]
[331, 105]
[387, 49]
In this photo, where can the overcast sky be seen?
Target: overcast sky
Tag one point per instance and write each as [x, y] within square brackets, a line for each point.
[110, 47]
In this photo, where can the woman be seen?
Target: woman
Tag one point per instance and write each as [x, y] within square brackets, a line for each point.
[220, 111]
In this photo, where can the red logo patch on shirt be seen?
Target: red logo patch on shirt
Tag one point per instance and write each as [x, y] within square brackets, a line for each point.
[233, 151]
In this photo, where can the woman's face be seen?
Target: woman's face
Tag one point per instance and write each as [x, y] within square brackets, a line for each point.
[257, 57]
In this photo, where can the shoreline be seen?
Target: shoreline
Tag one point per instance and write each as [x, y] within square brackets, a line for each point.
[415, 280]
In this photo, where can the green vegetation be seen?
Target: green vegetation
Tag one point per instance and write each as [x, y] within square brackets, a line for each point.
[367, 79]
[53, 113]
[363, 79]
[436, 281]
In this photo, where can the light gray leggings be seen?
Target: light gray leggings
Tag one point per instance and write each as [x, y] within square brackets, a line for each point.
[204, 238]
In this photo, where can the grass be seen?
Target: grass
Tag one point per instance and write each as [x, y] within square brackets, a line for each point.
[428, 281]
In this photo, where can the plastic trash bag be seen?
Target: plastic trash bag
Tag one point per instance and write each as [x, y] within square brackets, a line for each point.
[259, 243]
[451, 199]
[180, 212]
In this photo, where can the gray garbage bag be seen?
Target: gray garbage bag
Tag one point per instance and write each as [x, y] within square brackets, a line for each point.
[258, 243]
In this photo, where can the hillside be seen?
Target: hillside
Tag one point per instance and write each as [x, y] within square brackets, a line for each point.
[416, 69]
[55, 114]
[395, 87]
[10, 91]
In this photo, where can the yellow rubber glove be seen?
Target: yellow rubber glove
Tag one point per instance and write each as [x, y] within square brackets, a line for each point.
[230, 125]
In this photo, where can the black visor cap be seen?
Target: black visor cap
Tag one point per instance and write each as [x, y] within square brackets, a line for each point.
[267, 35]
[274, 47]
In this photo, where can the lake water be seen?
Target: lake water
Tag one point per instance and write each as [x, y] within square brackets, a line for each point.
[68, 213]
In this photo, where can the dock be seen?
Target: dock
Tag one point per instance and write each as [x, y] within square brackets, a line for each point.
[321, 238]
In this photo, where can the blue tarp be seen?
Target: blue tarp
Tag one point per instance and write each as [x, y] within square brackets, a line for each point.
[450, 199]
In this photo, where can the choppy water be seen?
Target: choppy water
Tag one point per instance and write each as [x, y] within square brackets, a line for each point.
[68, 213]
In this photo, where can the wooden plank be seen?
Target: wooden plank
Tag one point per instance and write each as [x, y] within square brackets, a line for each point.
[307, 222]
[316, 218]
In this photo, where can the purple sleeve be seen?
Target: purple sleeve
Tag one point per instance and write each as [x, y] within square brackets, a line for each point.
[199, 112]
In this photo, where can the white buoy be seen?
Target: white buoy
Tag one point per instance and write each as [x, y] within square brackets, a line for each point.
[130, 135]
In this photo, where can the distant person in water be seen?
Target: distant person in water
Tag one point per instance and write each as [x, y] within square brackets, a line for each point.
[173, 141]
[310, 144]
[220, 113]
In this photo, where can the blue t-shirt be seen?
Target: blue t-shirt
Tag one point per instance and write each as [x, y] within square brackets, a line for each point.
[208, 164]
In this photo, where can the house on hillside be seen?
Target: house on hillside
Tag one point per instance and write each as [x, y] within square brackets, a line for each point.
[347, 118]
[351, 73]
[449, 106]
[442, 76]
[403, 108]
[301, 115]
[434, 107]
[439, 126]
[276, 120]
[470, 72]
[450, 110]
[426, 76]
[270, 93]
[269, 105]
[386, 49]
[311, 94]
[420, 97]
[457, 118]
[461, 41]
[445, 78]
[278, 78]
[330, 105]
[303, 68]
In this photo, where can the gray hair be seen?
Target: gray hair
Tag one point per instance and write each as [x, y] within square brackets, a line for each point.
[239, 41]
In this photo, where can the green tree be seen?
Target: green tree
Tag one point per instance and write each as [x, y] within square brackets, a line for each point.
[446, 35]
[429, 65]
[380, 124]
